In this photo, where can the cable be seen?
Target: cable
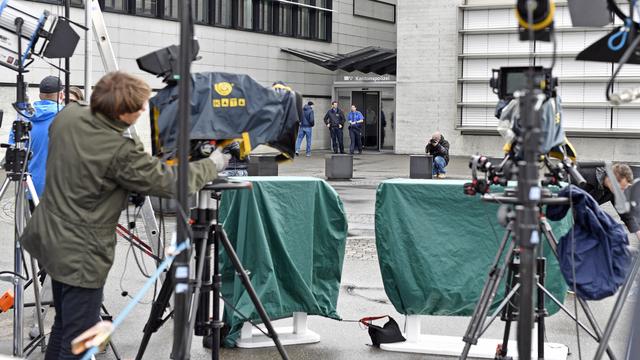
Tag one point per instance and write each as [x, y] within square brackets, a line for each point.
[573, 268]
[623, 60]
[14, 274]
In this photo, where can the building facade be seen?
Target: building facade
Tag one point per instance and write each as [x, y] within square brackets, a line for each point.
[448, 90]
[238, 36]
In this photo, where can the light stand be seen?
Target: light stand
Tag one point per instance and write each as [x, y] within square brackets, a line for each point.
[181, 265]
[67, 64]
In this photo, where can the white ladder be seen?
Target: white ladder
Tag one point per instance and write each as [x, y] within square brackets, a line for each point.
[94, 18]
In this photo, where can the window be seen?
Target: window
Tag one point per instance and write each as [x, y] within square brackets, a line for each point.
[171, 8]
[146, 7]
[201, 11]
[222, 11]
[306, 19]
[114, 5]
[375, 9]
[265, 18]
[285, 20]
[244, 11]
[303, 23]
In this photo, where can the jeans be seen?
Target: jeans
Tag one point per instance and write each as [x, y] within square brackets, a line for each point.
[304, 131]
[77, 309]
[439, 164]
[336, 140]
[355, 134]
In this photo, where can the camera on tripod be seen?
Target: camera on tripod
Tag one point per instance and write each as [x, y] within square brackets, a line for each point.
[509, 79]
[17, 154]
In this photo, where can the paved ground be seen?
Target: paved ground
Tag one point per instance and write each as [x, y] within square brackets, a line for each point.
[362, 293]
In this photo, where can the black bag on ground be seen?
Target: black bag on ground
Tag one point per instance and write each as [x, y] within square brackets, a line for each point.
[388, 333]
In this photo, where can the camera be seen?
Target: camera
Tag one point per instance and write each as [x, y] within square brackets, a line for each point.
[433, 141]
[509, 79]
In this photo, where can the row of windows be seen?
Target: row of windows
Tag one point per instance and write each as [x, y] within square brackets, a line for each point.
[308, 19]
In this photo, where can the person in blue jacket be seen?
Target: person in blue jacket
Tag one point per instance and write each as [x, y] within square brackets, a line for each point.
[356, 122]
[306, 126]
[46, 109]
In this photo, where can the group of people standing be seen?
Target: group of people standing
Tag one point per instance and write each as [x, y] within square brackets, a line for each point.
[335, 120]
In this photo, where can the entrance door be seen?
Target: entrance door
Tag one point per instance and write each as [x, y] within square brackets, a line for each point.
[368, 103]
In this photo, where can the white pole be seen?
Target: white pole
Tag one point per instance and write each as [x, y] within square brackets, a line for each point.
[88, 49]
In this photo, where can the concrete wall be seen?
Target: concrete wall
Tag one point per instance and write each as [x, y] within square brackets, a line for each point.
[426, 79]
[257, 55]
[426, 86]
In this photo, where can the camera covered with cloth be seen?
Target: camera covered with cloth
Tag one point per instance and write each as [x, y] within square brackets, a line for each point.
[227, 108]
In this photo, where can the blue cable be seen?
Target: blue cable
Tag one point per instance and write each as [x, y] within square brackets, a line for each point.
[624, 33]
[136, 299]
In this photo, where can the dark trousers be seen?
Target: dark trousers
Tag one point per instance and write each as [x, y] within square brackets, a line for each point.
[355, 134]
[77, 309]
[337, 142]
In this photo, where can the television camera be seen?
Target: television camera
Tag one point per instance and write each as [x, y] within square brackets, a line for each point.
[225, 108]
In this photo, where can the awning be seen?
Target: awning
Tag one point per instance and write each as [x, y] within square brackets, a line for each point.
[371, 59]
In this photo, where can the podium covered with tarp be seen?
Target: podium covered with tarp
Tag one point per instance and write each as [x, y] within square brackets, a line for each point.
[290, 234]
[435, 246]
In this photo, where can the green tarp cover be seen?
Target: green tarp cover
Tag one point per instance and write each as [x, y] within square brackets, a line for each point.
[435, 246]
[290, 234]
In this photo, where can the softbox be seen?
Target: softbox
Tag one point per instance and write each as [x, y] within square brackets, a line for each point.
[227, 106]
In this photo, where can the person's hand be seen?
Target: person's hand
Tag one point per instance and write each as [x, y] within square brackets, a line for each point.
[328, 125]
[638, 234]
[220, 159]
[340, 126]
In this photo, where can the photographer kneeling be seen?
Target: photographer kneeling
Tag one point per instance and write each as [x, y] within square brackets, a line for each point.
[438, 147]
[91, 168]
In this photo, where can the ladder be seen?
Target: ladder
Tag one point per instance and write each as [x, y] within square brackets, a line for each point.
[110, 64]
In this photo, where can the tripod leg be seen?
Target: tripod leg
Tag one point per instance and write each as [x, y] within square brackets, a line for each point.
[617, 308]
[602, 340]
[541, 312]
[5, 186]
[249, 288]
[155, 317]
[38, 310]
[488, 293]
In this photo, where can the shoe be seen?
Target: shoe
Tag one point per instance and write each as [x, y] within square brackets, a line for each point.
[342, 152]
[441, 176]
[297, 154]
[359, 152]
[308, 155]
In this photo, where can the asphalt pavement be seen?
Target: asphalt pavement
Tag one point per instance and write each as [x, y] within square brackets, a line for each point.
[361, 293]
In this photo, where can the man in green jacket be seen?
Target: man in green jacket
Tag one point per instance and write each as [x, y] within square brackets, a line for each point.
[91, 168]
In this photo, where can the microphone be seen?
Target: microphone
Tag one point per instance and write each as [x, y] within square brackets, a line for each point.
[625, 96]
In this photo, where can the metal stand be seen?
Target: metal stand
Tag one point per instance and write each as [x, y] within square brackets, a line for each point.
[17, 159]
[617, 308]
[208, 235]
[479, 324]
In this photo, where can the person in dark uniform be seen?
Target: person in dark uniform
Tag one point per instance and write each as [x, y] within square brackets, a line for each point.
[334, 119]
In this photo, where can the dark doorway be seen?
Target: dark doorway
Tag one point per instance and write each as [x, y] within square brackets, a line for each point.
[368, 103]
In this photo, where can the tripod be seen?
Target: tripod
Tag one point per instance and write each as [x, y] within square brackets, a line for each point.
[479, 324]
[17, 158]
[208, 235]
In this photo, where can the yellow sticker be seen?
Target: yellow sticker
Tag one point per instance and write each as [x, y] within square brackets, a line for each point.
[225, 102]
[216, 102]
[233, 102]
[223, 88]
[241, 102]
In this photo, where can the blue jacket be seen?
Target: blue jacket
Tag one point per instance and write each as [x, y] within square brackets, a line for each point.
[601, 255]
[307, 118]
[45, 112]
[355, 118]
